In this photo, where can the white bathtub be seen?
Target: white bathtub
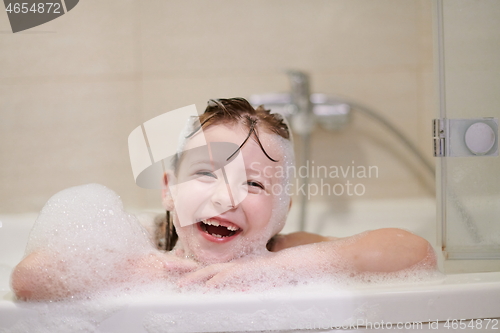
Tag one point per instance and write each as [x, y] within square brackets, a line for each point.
[417, 306]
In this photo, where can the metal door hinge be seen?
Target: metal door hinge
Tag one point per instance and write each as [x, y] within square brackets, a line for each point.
[439, 136]
[465, 137]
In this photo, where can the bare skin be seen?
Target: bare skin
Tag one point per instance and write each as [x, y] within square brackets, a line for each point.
[34, 279]
[378, 251]
[296, 239]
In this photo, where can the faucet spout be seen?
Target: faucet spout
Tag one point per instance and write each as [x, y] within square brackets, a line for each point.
[300, 91]
[304, 119]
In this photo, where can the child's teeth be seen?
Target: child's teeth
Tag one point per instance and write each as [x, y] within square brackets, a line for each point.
[212, 222]
[216, 224]
[218, 236]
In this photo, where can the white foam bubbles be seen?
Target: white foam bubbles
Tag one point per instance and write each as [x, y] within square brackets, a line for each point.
[78, 217]
[84, 242]
[90, 250]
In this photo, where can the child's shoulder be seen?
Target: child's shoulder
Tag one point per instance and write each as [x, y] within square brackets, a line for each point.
[295, 239]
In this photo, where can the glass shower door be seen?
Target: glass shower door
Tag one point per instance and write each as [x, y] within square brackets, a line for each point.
[468, 174]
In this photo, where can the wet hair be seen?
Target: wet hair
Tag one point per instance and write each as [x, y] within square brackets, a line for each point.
[227, 111]
[238, 111]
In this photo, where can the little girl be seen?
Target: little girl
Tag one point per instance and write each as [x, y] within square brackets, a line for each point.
[226, 205]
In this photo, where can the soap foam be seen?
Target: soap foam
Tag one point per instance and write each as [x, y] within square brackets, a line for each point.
[88, 241]
[327, 271]
[83, 240]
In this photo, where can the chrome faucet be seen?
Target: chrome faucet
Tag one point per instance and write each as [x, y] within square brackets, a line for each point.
[303, 111]
[303, 119]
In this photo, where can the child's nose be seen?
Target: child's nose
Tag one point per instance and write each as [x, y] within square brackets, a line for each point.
[222, 197]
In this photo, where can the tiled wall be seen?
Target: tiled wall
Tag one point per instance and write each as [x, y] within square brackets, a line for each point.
[72, 90]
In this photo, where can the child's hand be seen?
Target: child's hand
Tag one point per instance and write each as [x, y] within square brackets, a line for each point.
[44, 276]
[175, 265]
[211, 276]
[238, 275]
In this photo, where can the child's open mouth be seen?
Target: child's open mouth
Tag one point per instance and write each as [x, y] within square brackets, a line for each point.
[218, 231]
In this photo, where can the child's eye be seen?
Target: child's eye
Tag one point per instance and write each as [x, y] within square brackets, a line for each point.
[255, 184]
[206, 173]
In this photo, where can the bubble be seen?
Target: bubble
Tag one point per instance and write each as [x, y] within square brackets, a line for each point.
[83, 240]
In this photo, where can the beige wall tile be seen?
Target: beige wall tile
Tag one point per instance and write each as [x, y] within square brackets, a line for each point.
[95, 38]
[71, 92]
[225, 36]
[55, 136]
[162, 95]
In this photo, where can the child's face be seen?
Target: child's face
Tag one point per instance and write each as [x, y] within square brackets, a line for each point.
[226, 232]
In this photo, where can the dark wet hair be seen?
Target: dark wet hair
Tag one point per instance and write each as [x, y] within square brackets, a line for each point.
[227, 111]
[233, 111]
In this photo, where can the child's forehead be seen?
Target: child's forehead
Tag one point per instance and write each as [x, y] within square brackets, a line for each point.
[237, 133]
[219, 132]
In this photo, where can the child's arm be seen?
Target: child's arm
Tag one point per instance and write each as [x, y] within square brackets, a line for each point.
[378, 251]
[41, 276]
[282, 242]
[386, 250]
[381, 250]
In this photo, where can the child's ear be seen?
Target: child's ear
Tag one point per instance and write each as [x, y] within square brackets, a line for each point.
[166, 195]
